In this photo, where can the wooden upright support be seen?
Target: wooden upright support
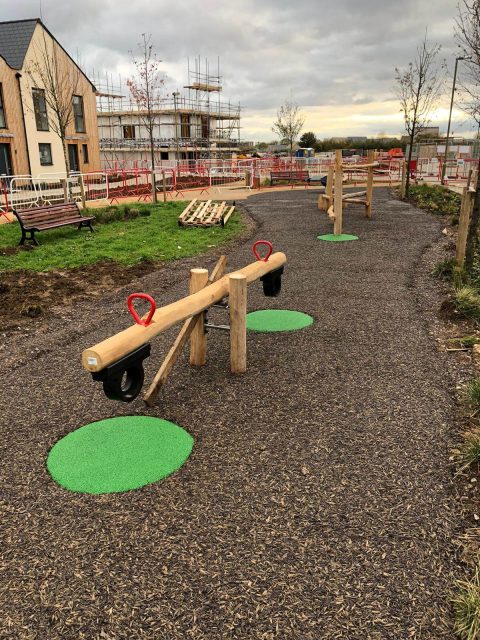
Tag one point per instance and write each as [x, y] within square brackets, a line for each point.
[238, 323]
[181, 340]
[198, 340]
[368, 205]
[463, 224]
[337, 198]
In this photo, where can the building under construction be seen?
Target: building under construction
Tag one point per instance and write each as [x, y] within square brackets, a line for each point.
[190, 125]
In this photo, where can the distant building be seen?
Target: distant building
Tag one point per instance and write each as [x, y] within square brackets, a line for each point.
[28, 142]
[195, 125]
[424, 134]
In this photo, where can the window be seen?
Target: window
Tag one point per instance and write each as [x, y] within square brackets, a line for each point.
[40, 109]
[185, 125]
[78, 114]
[45, 150]
[129, 132]
[85, 153]
[205, 127]
[163, 155]
[3, 122]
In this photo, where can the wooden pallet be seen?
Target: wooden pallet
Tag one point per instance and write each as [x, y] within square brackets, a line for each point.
[205, 214]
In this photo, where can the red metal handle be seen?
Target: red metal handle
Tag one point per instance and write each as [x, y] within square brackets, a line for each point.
[153, 306]
[270, 249]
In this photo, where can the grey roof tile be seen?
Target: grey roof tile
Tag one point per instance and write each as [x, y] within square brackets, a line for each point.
[15, 38]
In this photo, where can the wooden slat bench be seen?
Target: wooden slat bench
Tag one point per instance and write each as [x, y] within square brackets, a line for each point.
[290, 176]
[50, 217]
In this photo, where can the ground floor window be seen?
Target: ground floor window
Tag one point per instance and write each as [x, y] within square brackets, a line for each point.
[85, 153]
[163, 155]
[45, 150]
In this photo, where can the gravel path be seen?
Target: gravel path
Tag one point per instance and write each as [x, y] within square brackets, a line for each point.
[317, 503]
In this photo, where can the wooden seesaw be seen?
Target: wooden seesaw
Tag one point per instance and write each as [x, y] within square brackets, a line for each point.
[333, 199]
[118, 360]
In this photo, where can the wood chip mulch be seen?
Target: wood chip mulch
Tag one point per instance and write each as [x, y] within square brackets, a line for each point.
[318, 501]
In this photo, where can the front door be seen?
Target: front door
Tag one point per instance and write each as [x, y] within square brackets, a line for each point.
[5, 160]
[73, 157]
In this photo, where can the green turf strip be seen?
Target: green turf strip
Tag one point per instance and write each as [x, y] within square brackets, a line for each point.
[118, 454]
[342, 237]
[272, 320]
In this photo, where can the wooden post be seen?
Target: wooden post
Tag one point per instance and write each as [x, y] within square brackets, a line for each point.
[403, 186]
[238, 323]
[368, 205]
[198, 341]
[463, 224]
[65, 190]
[337, 197]
[82, 190]
[164, 184]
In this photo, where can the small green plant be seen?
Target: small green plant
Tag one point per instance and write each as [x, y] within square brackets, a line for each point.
[467, 341]
[466, 606]
[467, 301]
[473, 394]
[468, 452]
[445, 269]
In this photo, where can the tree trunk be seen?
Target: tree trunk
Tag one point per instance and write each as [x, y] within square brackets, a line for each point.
[65, 155]
[409, 161]
[152, 159]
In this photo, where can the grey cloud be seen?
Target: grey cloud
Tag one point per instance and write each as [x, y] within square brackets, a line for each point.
[268, 49]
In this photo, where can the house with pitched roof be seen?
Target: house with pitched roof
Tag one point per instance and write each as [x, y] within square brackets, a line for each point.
[48, 122]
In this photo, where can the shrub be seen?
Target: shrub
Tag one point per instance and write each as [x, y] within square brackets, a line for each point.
[467, 301]
[466, 606]
[436, 199]
[473, 394]
[445, 269]
[468, 452]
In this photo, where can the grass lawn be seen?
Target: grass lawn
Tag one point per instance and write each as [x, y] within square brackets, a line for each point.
[155, 237]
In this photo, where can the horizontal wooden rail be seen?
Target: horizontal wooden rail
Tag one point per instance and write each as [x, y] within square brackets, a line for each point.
[112, 349]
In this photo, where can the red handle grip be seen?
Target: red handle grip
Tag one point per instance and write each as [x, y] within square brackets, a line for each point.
[269, 253]
[153, 306]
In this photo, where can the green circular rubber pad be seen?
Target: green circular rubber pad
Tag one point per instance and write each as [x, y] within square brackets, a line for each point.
[118, 454]
[272, 320]
[342, 237]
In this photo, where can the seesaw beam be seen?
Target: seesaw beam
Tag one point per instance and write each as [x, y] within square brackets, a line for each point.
[112, 349]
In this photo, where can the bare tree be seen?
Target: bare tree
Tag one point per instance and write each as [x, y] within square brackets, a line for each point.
[146, 90]
[467, 35]
[59, 81]
[419, 87]
[289, 123]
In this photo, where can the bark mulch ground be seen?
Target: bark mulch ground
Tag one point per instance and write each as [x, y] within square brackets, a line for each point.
[318, 501]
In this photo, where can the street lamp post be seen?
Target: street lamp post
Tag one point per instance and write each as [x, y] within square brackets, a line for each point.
[444, 168]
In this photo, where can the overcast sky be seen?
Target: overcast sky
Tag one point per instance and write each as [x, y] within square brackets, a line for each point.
[335, 58]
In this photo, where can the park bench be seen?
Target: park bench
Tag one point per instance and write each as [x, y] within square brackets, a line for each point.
[50, 217]
[289, 176]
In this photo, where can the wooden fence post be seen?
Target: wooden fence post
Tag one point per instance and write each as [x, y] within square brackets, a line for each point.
[338, 195]
[238, 323]
[369, 194]
[463, 224]
[198, 341]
